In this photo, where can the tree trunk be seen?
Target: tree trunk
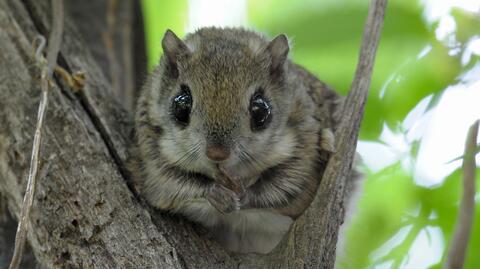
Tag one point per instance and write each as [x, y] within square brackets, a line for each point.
[113, 32]
[84, 212]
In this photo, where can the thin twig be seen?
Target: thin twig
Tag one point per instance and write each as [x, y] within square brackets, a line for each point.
[459, 244]
[46, 74]
[477, 150]
[55, 38]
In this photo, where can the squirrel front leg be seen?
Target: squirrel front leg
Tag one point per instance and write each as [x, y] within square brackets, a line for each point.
[287, 189]
[173, 190]
[170, 190]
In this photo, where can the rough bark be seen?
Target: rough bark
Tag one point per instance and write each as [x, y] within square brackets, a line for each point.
[84, 213]
[113, 30]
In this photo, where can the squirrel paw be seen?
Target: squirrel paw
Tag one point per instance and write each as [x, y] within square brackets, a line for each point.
[230, 180]
[223, 199]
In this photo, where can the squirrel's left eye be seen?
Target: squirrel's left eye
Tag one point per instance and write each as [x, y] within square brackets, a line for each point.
[182, 105]
[260, 111]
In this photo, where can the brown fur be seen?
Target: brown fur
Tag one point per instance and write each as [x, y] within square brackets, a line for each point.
[277, 168]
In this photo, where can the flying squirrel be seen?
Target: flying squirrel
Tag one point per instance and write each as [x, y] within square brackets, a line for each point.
[232, 135]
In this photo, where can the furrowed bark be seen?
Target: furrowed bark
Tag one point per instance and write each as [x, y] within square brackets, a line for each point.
[114, 34]
[84, 214]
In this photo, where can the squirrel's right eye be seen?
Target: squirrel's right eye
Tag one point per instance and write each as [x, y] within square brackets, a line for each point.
[182, 105]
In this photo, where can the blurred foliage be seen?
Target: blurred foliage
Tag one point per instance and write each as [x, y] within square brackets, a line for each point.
[467, 24]
[326, 39]
[392, 201]
[160, 16]
[411, 64]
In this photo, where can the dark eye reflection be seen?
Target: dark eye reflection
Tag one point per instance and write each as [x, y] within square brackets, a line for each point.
[260, 111]
[182, 105]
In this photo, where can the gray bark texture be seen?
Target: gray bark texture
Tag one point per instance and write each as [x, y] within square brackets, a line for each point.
[84, 213]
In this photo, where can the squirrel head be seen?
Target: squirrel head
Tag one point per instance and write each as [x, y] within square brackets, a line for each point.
[222, 99]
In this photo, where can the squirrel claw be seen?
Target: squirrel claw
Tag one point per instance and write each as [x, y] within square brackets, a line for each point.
[230, 181]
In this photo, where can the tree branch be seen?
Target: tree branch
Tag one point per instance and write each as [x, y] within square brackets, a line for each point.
[461, 237]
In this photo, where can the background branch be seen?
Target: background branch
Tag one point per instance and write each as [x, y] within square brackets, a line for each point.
[461, 237]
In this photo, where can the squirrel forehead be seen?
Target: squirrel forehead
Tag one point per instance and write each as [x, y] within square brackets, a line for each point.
[223, 68]
[223, 75]
[221, 90]
[227, 54]
[225, 63]
[224, 39]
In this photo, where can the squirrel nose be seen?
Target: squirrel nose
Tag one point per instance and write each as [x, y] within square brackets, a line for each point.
[218, 153]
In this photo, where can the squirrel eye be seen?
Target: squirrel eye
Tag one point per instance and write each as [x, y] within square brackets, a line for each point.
[260, 111]
[182, 105]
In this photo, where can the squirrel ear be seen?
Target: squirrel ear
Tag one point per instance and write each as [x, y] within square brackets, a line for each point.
[278, 49]
[173, 47]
